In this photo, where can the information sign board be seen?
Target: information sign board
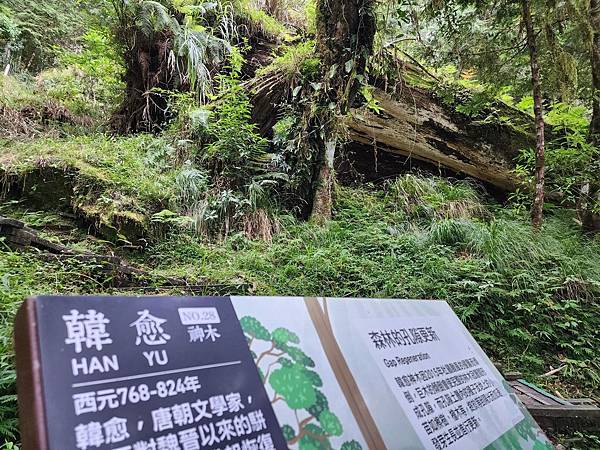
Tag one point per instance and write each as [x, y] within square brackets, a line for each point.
[147, 373]
[259, 373]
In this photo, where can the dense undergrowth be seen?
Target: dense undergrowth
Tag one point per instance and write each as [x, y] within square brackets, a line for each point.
[209, 199]
[192, 202]
[528, 298]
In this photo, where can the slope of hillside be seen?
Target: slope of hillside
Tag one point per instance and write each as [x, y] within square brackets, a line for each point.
[528, 298]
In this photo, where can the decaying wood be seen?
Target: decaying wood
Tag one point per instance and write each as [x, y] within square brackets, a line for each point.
[122, 275]
[552, 412]
[18, 236]
[416, 124]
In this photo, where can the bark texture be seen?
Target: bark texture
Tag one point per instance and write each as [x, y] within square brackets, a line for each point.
[345, 32]
[538, 200]
[416, 124]
[594, 13]
[590, 192]
[146, 69]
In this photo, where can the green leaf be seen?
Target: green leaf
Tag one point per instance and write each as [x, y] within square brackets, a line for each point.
[330, 423]
[294, 386]
[349, 65]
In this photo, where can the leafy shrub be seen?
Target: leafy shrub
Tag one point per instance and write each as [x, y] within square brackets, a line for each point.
[91, 82]
[236, 149]
[229, 185]
[570, 158]
[35, 32]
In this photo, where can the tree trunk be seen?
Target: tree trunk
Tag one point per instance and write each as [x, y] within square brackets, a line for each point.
[146, 70]
[418, 126]
[590, 189]
[538, 201]
[594, 17]
[345, 32]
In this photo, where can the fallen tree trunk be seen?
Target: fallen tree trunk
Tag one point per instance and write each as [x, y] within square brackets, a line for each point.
[415, 124]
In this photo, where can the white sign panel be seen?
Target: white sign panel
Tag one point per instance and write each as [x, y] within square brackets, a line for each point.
[446, 389]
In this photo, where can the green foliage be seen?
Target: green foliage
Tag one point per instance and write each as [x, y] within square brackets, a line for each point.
[296, 62]
[188, 46]
[15, 93]
[91, 82]
[71, 98]
[294, 386]
[103, 179]
[321, 404]
[485, 39]
[370, 101]
[23, 275]
[236, 150]
[33, 33]
[330, 423]
[281, 336]
[228, 184]
[191, 185]
[513, 288]
[351, 445]
[570, 159]
[435, 198]
[9, 30]
[473, 101]
[311, 16]
[288, 432]
[254, 328]
[295, 383]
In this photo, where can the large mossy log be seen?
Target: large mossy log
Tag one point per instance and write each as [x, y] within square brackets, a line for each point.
[416, 124]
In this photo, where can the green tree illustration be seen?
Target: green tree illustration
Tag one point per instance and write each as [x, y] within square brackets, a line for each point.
[289, 372]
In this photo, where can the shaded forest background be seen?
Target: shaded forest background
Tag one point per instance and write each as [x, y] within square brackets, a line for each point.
[359, 148]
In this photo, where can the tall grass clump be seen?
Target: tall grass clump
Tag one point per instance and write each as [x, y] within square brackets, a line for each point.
[429, 197]
[532, 293]
[462, 234]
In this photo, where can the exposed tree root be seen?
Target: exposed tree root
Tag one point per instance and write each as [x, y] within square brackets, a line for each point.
[18, 236]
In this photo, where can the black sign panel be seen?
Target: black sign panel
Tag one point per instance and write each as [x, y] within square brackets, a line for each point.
[168, 373]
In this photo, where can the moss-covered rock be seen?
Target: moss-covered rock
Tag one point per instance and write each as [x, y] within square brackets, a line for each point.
[105, 182]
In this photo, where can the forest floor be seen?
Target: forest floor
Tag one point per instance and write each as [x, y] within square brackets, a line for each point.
[528, 298]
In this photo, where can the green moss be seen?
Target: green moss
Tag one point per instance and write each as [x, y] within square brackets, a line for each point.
[106, 180]
[117, 162]
[261, 20]
[294, 60]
